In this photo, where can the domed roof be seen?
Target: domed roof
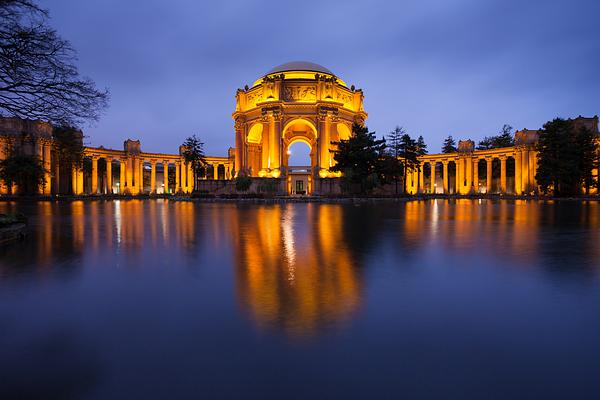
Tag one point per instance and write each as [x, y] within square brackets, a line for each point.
[300, 66]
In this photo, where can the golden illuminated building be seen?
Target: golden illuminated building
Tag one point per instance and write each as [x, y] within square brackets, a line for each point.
[294, 102]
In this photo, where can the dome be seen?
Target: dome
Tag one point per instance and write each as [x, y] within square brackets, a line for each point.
[299, 70]
[300, 66]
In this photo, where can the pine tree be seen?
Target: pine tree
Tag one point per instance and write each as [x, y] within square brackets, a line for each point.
[449, 145]
[408, 155]
[566, 158]
[393, 167]
[503, 139]
[421, 146]
[358, 158]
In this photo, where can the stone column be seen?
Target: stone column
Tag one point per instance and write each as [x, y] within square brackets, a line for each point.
[460, 175]
[122, 176]
[476, 175]
[239, 144]
[190, 178]
[525, 170]
[94, 175]
[432, 176]
[518, 172]
[166, 177]
[128, 184]
[109, 181]
[216, 171]
[446, 182]
[141, 175]
[488, 170]
[153, 176]
[468, 175]
[47, 167]
[421, 186]
[177, 179]
[503, 175]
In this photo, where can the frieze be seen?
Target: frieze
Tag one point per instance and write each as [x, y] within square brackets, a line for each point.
[299, 93]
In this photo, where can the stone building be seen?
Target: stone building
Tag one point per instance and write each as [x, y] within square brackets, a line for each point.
[294, 102]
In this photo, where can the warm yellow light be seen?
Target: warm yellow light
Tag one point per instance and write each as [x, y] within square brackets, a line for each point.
[262, 173]
[323, 173]
[276, 173]
[289, 152]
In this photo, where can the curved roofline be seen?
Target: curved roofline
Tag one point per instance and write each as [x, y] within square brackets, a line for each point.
[299, 66]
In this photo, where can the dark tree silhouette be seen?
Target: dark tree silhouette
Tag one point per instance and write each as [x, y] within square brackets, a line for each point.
[38, 76]
[26, 171]
[193, 154]
[449, 145]
[503, 139]
[358, 158]
[566, 158]
[392, 164]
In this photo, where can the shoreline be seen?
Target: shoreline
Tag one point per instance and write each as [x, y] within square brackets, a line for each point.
[291, 199]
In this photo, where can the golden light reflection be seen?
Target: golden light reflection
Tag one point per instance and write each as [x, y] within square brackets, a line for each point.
[294, 271]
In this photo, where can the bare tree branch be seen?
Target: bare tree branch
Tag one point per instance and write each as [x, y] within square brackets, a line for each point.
[38, 76]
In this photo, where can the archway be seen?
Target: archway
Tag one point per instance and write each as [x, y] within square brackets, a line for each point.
[299, 161]
[300, 130]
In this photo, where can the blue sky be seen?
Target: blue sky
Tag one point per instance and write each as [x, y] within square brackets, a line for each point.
[459, 67]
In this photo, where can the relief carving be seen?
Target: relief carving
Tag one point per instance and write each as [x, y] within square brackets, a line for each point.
[299, 93]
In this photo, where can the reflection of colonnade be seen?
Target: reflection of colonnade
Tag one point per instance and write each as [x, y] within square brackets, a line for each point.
[508, 170]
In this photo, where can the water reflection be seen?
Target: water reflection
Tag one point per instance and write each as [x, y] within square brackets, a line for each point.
[299, 268]
[294, 271]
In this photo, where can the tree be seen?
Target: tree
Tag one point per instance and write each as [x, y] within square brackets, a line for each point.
[193, 154]
[26, 171]
[421, 146]
[391, 165]
[408, 155]
[566, 158]
[38, 76]
[68, 146]
[503, 139]
[242, 183]
[449, 145]
[358, 158]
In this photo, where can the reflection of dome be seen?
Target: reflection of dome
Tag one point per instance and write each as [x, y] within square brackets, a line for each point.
[300, 66]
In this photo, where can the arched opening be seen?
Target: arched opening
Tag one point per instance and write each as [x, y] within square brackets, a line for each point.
[299, 130]
[87, 175]
[221, 172]
[172, 177]
[210, 171]
[451, 177]
[299, 167]
[146, 176]
[298, 153]
[116, 183]
[496, 167]
[510, 175]
[438, 178]
[481, 184]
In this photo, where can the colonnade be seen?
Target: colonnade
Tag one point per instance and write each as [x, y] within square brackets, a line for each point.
[514, 167]
[177, 175]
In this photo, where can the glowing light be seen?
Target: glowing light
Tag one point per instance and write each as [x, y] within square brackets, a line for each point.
[323, 173]
[276, 173]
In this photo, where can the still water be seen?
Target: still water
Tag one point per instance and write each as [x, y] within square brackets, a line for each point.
[440, 299]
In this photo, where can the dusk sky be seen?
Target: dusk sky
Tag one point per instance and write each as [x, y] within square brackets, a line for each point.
[435, 67]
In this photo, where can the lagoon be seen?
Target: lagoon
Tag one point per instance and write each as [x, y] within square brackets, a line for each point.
[167, 299]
